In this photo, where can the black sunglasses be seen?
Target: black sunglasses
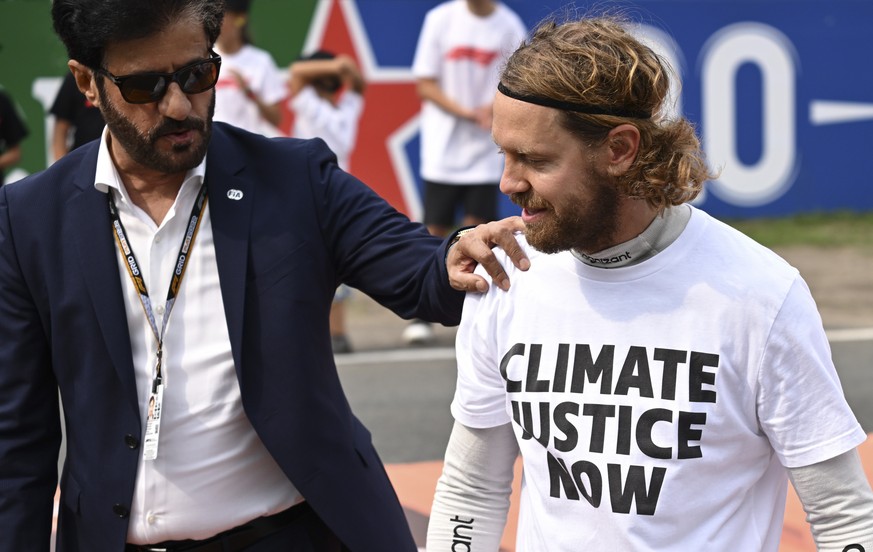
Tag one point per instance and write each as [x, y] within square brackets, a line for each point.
[142, 88]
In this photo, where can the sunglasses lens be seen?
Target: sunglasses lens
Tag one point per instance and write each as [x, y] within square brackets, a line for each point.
[151, 87]
[143, 88]
[199, 78]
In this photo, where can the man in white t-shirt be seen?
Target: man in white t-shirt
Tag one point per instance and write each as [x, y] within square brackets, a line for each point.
[327, 99]
[661, 374]
[461, 47]
[250, 90]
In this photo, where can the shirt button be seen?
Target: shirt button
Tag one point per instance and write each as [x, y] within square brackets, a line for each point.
[120, 511]
[160, 309]
[150, 519]
[158, 238]
[131, 441]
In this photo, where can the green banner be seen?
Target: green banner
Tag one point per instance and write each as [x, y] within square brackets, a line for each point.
[33, 61]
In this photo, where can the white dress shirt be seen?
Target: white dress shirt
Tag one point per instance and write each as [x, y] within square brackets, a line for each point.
[212, 472]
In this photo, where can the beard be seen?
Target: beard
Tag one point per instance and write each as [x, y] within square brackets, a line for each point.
[141, 146]
[588, 225]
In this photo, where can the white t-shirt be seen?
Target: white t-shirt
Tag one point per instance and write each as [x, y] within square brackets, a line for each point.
[261, 75]
[657, 405]
[465, 54]
[336, 125]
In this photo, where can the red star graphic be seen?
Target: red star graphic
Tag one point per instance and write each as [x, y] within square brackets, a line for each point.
[387, 107]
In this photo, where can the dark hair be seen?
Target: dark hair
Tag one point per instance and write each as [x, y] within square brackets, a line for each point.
[237, 6]
[86, 27]
[318, 54]
[330, 83]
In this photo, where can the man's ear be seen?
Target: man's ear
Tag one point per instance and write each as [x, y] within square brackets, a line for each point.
[623, 145]
[85, 81]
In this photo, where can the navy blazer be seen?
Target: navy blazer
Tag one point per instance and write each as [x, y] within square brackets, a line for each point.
[301, 227]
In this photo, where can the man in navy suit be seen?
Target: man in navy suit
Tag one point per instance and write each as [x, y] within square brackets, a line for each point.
[174, 281]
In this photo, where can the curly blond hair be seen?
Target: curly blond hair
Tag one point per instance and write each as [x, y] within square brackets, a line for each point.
[595, 61]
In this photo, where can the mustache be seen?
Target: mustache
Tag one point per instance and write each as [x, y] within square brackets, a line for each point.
[529, 200]
[170, 126]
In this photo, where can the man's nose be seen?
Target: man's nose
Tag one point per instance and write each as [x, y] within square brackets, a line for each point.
[175, 104]
[512, 180]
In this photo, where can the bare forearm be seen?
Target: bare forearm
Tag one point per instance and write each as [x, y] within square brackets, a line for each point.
[10, 157]
[270, 112]
[429, 89]
[59, 138]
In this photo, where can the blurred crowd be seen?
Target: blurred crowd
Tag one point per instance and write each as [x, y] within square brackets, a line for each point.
[321, 94]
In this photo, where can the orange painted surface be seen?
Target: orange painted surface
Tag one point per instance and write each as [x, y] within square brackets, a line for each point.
[415, 485]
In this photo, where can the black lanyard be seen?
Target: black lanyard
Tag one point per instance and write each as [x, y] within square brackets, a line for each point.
[178, 270]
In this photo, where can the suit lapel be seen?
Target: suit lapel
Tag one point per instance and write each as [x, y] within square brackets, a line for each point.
[90, 214]
[231, 195]
[230, 202]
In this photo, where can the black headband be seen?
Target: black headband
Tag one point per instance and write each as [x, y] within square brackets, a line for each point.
[572, 106]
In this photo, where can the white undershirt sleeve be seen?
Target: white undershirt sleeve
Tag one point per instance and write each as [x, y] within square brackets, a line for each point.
[472, 495]
[838, 502]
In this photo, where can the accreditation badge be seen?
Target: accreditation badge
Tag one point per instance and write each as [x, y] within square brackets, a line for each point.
[153, 423]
